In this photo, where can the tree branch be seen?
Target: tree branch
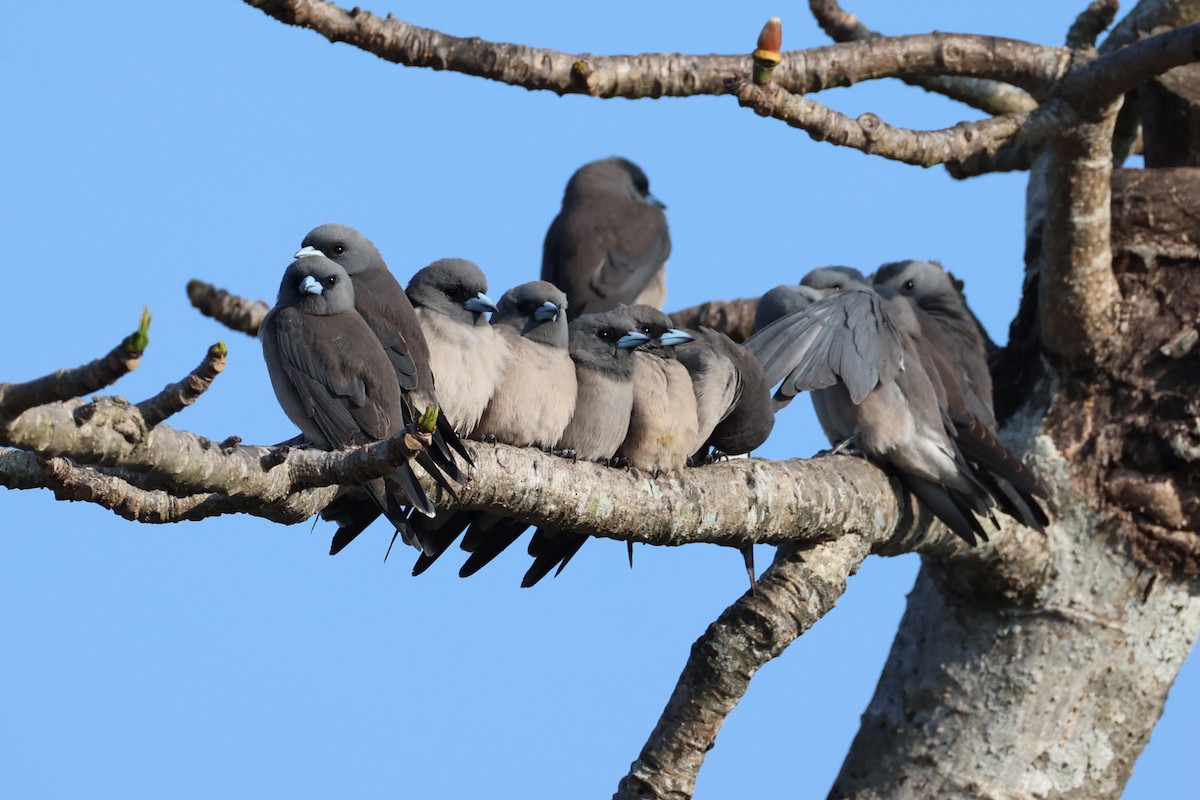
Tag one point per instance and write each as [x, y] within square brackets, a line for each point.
[872, 135]
[177, 396]
[235, 313]
[1090, 23]
[734, 318]
[1091, 88]
[67, 383]
[799, 588]
[1012, 157]
[672, 74]
[991, 96]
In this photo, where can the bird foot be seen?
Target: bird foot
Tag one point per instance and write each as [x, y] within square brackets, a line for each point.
[564, 453]
[846, 447]
[489, 438]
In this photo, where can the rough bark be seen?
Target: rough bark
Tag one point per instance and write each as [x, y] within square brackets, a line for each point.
[1054, 694]
[1170, 111]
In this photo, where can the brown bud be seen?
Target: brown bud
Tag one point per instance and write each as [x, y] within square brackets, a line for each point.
[771, 37]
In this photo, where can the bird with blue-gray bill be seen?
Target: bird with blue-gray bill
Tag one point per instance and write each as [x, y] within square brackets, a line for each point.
[381, 301]
[532, 403]
[332, 376]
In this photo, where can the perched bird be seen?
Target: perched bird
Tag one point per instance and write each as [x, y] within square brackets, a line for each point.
[602, 348]
[735, 412]
[954, 330]
[609, 244]
[858, 350]
[532, 403]
[954, 345]
[535, 395]
[331, 374]
[380, 300]
[781, 301]
[664, 424]
[465, 354]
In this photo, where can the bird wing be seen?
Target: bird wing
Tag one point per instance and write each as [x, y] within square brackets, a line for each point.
[846, 336]
[328, 376]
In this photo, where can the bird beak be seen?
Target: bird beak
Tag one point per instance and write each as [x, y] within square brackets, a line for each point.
[311, 285]
[632, 339]
[654, 201]
[546, 312]
[674, 337]
[480, 303]
[308, 250]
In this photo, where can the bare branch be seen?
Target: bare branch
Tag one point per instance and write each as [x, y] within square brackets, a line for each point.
[67, 383]
[235, 313]
[107, 488]
[1149, 15]
[872, 135]
[797, 590]
[178, 396]
[734, 318]
[1146, 16]
[1092, 87]
[111, 432]
[671, 74]
[1091, 22]
[1012, 157]
[991, 96]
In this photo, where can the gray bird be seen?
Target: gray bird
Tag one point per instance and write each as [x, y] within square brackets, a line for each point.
[535, 395]
[603, 347]
[954, 345]
[609, 244]
[858, 350]
[781, 301]
[331, 375]
[664, 424]
[465, 354]
[531, 405]
[381, 301]
[954, 330]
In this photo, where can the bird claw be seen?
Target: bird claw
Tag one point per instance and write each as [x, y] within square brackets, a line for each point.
[489, 438]
[846, 447]
[564, 453]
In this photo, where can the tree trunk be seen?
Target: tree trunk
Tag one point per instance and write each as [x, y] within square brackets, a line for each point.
[1054, 694]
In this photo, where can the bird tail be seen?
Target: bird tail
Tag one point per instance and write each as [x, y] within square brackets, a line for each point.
[550, 549]
[488, 538]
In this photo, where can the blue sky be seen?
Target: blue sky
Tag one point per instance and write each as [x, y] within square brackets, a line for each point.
[145, 144]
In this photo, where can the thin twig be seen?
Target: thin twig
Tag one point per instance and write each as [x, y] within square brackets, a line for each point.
[67, 383]
[177, 396]
[234, 312]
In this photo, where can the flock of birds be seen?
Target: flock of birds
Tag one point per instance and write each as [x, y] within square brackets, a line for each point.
[583, 364]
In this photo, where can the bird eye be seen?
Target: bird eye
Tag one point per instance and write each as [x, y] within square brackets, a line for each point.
[339, 249]
[331, 281]
[605, 335]
[909, 285]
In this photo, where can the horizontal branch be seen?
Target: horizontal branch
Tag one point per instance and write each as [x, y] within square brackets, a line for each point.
[870, 134]
[1033, 66]
[992, 96]
[1012, 157]
[67, 383]
[734, 318]
[235, 313]
[20, 469]
[110, 432]
[798, 589]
